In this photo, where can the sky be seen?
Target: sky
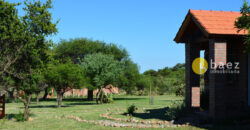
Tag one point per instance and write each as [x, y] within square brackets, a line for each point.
[146, 28]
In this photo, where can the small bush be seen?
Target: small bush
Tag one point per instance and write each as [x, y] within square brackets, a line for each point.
[175, 111]
[19, 117]
[180, 90]
[108, 98]
[131, 109]
[8, 100]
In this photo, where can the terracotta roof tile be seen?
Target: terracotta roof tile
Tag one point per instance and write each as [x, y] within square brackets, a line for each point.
[218, 22]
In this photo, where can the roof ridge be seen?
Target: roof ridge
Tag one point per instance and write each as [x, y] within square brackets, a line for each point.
[214, 11]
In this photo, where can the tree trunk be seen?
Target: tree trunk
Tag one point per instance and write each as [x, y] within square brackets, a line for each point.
[26, 106]
[59, 98]
[101, 96]
[45, 94]
[37, 97]
[90, 95]
[97, 97]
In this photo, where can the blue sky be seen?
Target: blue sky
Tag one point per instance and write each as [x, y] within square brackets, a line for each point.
[146, 28]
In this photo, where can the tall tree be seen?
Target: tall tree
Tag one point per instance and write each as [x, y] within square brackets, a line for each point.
[24, 45]
[102, 70]
[129, 78]
[12, 40]
[243, 22]
[77, 49]
[63, 76]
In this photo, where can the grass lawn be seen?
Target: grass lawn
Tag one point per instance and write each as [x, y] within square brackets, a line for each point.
[46, 115]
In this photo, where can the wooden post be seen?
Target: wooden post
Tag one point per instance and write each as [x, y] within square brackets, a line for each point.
[2, 106]
[151, 97]
[3, 115]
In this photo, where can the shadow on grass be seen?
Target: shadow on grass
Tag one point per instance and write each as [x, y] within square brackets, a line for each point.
[197, 119]
[14, 116]
[171, 100]
[46, 106]
[124, 98]
[83, 103]
[152, 114]
[66, 99]
[10, 116]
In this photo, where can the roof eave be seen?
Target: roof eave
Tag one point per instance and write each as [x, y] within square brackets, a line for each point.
[187, 19]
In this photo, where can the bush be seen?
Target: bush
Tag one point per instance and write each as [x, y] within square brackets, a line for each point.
[131, 109]
[19, 117]
[180, 90]
[176, 110]
[108, 98]
[8, 100]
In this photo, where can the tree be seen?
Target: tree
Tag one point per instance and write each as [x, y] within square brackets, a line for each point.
[102, 70]
[151, 72]
[77, 49]
[129, 78]
[166, 80]
[12, 41]
[143, 84]
[80, 47]
[243, 22]
[24, 45]
[63, 76]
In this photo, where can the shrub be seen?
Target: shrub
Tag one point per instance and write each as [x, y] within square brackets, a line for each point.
[131, 109]
[8, 100]
[176, 110]
[19, 117]
[180, 90]
[108, 98]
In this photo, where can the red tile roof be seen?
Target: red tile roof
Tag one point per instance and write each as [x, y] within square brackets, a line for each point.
[218, 22]
[211, 23]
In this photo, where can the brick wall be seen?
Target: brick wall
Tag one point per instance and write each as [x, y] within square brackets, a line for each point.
[195, 96]
[217, 82]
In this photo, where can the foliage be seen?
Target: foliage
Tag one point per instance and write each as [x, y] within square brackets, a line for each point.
[12, 41]
[108, 98]
[63, 76]
[176, 110]
[12, 37]
[151, 72]
[129, 77]
[80, 47]
[164, 81]
[77, 49]
[180, 90]
[24, 45]
[243, 22]
[19, 117]
[131, 109]
[102, 70]
[143, 84]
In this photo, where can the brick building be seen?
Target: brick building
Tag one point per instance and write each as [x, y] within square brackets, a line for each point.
[109, 89]
[214, 33]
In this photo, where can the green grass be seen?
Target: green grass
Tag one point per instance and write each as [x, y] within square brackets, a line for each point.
[46, 115]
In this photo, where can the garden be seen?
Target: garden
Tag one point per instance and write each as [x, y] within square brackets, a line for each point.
[36, 73]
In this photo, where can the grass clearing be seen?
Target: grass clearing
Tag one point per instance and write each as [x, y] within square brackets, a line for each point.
[46, 115]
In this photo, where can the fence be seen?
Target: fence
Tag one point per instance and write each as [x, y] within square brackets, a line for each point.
[2, 106]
